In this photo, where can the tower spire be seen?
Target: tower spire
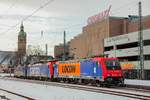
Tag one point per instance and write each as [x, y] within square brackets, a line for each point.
[22, 27]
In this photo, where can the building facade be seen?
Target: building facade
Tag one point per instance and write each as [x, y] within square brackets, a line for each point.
[126, 48]
[7, 60]
[91, 41]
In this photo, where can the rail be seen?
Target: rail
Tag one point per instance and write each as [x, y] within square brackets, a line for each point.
[17, 94]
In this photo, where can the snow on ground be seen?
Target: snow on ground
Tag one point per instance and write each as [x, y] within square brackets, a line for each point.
[44, 92]
[137, 82]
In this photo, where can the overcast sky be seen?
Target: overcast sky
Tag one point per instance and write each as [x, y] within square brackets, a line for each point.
[52, 19]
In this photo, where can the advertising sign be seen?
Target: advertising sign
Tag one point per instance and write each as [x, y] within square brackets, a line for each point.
[130, 65]
[100, 16]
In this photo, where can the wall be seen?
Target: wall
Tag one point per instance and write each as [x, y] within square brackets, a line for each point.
[90, 42]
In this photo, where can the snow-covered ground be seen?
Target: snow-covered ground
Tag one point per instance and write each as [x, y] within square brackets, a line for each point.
[137, 82]
[44, 92]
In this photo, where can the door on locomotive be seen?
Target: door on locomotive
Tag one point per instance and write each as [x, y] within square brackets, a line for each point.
[51, 68]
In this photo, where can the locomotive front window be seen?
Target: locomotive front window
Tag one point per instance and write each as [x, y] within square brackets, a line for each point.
[112, 64]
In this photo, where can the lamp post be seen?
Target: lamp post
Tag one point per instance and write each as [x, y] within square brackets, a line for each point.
[64, 52]
[140, 35]
[114, 47]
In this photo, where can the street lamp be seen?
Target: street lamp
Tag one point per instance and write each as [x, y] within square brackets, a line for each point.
[114, 47]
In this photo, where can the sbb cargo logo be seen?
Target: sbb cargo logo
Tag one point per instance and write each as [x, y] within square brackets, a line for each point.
[69, 69]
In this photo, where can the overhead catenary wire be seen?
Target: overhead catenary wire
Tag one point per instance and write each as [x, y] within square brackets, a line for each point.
[65, 28]
[11, 6]
[45, 4]
[4, 25]
[41, 7]
[132, 4]
[7, 10]
[52, 32]
[128, 5]
[125, 5]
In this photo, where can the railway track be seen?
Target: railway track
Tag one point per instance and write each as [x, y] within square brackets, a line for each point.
[124, 92]
[16, 94]
[105, 91]
[134, 89]
[118, 93]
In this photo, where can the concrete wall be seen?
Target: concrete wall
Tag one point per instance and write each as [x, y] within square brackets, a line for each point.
[126, 38]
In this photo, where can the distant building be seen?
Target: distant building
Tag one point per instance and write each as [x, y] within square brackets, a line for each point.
[59, 51]
[7, 59]
[21, 43]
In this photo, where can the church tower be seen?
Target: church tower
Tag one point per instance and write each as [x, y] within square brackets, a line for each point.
[21, 42]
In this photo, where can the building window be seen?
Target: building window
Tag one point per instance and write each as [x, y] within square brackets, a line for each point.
[134, 58]
[146, 42]
[108, 48]
[147, 57]
[130, 58]
[128, 45]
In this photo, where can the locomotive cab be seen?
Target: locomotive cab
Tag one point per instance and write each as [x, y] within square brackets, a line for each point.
[111, 71]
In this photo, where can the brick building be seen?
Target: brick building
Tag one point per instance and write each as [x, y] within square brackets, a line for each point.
[91, 41]
[59, 51]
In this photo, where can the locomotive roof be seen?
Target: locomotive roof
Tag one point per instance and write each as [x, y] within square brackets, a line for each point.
[70, 61]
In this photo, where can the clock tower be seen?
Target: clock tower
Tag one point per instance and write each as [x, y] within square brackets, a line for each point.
[21, 43]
